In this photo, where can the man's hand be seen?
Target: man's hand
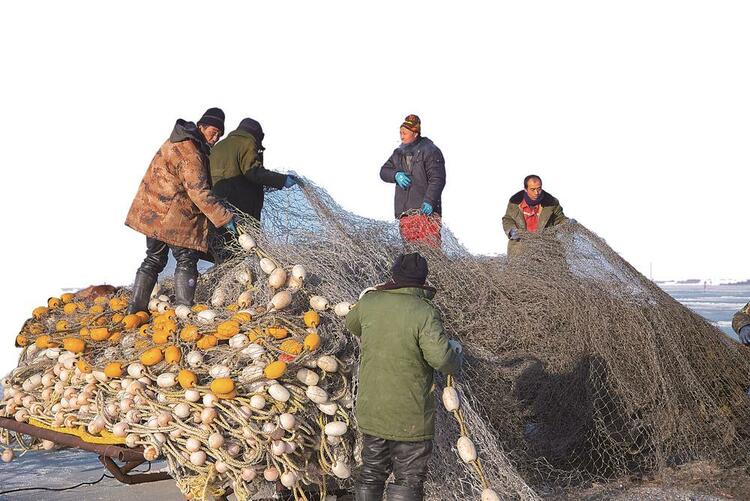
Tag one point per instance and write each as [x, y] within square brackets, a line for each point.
[402, 180]
[290, 181]
[513, 235]
[572, 221]
[745, 335]
[426, 208]
[231, 227]
[456, 347]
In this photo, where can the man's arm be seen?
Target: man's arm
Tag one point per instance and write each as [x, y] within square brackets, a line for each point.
[741, 318]
[435, 170]
[252, 168]
[352, 321]
[558, 216]
[389, 169]
[435, 348]
[194, 178]
[508, 222]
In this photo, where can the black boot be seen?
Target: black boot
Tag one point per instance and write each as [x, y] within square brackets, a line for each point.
[142, 287]
[403, 493]
[184, 286]
[364, 492]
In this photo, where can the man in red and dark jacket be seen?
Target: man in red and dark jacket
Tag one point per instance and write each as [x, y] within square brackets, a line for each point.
[531, 209]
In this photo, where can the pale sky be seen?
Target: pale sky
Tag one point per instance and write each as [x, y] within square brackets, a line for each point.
[634, 113]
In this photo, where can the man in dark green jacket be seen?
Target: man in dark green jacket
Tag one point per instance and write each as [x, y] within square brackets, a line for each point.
[403, 342]
[237, 172]
[741, 324]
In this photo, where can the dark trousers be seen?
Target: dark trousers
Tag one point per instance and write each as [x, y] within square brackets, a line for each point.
[185, 275]
[407, 460]
[157, 254]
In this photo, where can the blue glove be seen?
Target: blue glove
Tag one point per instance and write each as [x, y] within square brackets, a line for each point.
[745, 335]
[402, 180]
[513, 234]
[572, 221]
[231, 227]
[426, 208]
[290, 181]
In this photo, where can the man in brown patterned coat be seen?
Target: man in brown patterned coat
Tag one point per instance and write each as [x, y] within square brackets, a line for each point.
[741, 324]
[173, 206]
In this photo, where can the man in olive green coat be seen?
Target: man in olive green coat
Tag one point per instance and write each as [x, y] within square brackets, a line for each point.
[237, 172]
[531, 209]
[741, 324]
[403, 342]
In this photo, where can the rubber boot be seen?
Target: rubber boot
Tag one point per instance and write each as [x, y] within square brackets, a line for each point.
[142, 287]
[184, 286]
[364, 492]
[403, 493]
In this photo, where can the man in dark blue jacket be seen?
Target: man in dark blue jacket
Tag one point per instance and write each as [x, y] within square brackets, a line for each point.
[418, 169]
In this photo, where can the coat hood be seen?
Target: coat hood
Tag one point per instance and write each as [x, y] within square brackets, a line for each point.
[423, 291]
[184, 130]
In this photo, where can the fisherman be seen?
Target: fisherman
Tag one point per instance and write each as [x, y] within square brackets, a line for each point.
[237, 170]
[741, 324]
[418, 169]
[531, 209]
[173, 206]
[402, 342]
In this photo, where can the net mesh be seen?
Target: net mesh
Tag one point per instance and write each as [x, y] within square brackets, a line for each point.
[578, 368]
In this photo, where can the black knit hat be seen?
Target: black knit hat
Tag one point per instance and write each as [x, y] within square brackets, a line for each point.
[252, 127]
[410, 269]
[215, 117]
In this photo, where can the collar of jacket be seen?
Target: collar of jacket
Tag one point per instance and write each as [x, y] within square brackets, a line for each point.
[424, 291]
[184, 130]
[549, 200]
[412, 148]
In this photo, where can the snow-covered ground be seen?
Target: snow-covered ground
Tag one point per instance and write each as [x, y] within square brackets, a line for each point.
[66, 468]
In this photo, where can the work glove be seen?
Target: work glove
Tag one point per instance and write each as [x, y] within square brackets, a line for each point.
[513, 234]
[402, 180]
[290, 181]
[745, 335]
[231, 227]
[426, 208]
[572, 221]
[456, 347]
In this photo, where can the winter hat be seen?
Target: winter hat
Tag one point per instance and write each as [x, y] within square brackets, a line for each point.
[252, 127]
[413, 123]
[410, 269]
[215, 117]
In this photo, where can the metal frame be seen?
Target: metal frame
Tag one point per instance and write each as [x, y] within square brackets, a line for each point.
[107, 453]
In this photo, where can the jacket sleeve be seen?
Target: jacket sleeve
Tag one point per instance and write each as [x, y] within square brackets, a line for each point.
[434, 345]
[389, 169]
[435, 170]
[558, 216]
[508, 222]
[741, 318]
[194, 177]
[352, 321]
[252, 168]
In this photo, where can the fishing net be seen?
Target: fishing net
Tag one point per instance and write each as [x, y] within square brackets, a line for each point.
[578, 368]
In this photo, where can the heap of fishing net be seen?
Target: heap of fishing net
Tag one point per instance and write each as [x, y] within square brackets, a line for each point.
[578, 367]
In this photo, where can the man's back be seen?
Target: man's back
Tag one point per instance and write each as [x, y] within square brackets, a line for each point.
[402, 343]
